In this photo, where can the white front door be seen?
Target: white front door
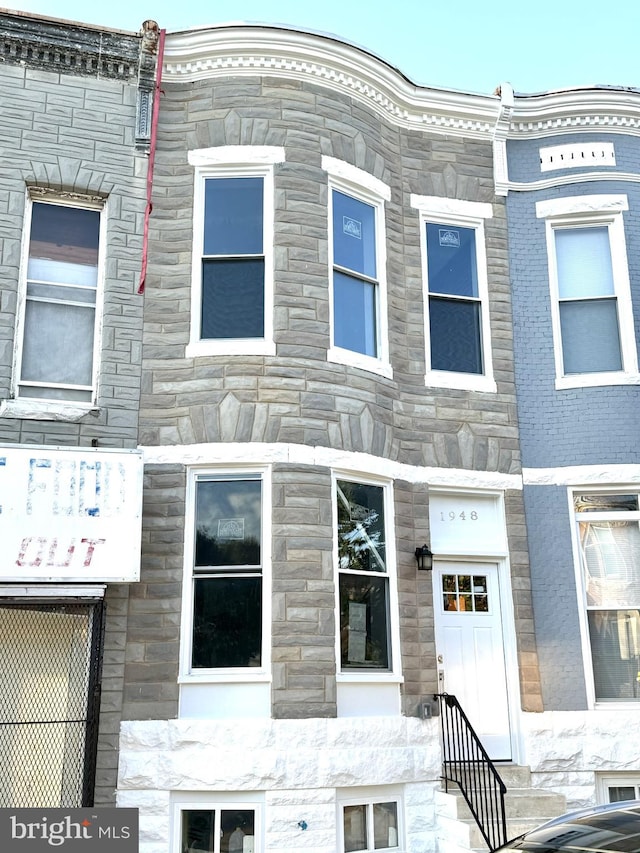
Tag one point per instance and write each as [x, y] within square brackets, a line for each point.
[470, 649]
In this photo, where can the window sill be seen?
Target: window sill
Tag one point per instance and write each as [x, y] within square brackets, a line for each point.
[595, 380]
[460, 381]
[225, 677]
[361, 677]
[45, 410]
[231, 346]
[338, 355]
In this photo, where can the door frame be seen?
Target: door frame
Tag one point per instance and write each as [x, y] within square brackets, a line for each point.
[509, 641]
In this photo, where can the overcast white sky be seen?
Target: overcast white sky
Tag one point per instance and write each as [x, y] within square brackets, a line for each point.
[473, 45]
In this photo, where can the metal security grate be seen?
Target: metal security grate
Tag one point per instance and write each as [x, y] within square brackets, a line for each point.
[50, 662]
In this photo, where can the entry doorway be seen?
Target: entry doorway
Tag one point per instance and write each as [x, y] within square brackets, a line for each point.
[470, 649]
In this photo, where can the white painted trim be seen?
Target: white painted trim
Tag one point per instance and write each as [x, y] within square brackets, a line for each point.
[577, 154]
[31, 408]
[457, 208]
[581, 204]
[368, 797]
[228, 675]
[254, 162]
[584, 212]
[464, 214]
[582, 475]
[236, 155]
[358, 178]
[259, 453]
[567, 180]
[360, 185]
[52, 591]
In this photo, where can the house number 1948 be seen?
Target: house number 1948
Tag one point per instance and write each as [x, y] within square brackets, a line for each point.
[459, 516]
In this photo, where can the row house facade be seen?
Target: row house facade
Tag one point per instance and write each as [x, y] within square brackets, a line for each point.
[378, 319]
[73, 194]
[327, 386]
[573, 210]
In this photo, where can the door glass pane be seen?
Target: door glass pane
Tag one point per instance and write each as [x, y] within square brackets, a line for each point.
[451, 260]
[465, 593]
[354, 234]
[385, 825]
[237, 831]
[354, 312]
[590, 337]
[355, 828]
[233, 212]
[615, 652]
[232, 298]
[228, 522]
[227, 622]
[583, 256]
[455, 335]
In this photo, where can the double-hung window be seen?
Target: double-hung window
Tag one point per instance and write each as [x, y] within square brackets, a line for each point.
[358, 274]
[232, 283]
[457, 335]
[608, 537]
[227, 630]
[365, 597]
[370, 822]
[591, 302]
[58, 320]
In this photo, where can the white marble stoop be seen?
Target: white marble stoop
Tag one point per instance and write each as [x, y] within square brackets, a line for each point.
[526, 808]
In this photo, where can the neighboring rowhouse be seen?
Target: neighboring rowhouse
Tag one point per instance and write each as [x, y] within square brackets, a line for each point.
[72, 201]
[574, 245]
[327, 386]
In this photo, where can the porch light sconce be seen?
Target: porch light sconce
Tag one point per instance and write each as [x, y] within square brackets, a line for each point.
[424, 558]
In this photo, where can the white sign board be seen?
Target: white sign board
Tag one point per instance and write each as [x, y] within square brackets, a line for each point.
[70, 515]
[466, 524]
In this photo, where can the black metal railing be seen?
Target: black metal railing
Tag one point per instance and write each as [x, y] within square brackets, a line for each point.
[465, 763]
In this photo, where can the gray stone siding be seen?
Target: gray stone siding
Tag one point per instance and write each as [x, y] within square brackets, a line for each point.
[74, 133]
[297, 396]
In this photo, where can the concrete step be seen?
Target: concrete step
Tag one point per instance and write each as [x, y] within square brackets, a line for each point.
[526, 808]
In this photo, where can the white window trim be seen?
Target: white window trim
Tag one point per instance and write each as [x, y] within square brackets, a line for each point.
[35, 408]
[580, 212]
[235, 675]
[241, 161]
[364, 187]
[581, 595]
[614, 779]
[183, 801]
[394, 674]
[466, 214]
[368, 796]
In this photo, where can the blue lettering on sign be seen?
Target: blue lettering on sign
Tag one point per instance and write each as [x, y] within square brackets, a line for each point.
[34, 485]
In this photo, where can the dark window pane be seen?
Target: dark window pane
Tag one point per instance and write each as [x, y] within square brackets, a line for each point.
[590, 338]
[361, 540]
[228, 522]
[364, 633]
[232, 299]
[64, 234]
[354, 310]
[618, 793]
[197, 830]
[451, 260]
[605, 503]
[233, 216]
[235, 827]
[355, 828]
[385, 825]
[615, 651]
[227, 622]
[455, 335]
[354, 234]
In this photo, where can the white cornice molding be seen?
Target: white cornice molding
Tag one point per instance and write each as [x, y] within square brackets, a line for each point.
[567, 180]
[597, 109]
[240, 50]
[582, 475]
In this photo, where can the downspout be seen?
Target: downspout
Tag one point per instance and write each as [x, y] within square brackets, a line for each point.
[152, 157]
